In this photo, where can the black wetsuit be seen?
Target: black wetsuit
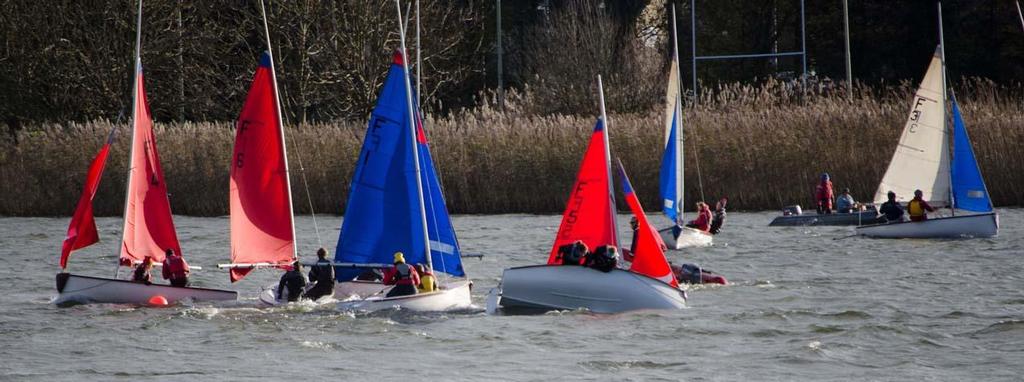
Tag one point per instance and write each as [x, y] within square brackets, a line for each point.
[892, 210]
[322, 277]
[717, 221]
[294, 281]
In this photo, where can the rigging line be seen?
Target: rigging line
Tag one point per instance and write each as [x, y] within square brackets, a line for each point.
[696, 161]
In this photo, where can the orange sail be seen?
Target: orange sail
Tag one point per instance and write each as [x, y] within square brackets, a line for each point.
[148, 226]
[82, 230]
[261, 216]
[649, 256]
[588, 213]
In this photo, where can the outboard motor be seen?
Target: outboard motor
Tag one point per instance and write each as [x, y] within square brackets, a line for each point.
[604, 258]
[792, 210]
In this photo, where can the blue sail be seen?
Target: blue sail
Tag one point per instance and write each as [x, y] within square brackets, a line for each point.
[383, 213]
[669, 173]
[444, 245]
[969, 192]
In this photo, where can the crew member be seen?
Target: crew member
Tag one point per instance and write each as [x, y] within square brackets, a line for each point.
[918, 208]
[321, 275]
[175, 269]
[892, 210]
[291, 282]
[427, 282]
[823, 195]
[845, 202]
[703, 220]
[143, 272]
[719, 218]
[403, 276]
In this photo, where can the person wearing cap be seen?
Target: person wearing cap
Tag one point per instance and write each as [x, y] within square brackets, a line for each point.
[892, 210]
[291, 284]
[427, 282]
[321, 275]
[403, 276]
[143, 272]
[917, 208]
[719, 218]
[175, 269]
[823, 195]
[845, 202]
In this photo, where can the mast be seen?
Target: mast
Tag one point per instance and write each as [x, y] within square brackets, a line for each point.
[945, 119]
[1020, 14]
[412, 135]
[608, 161]
[135, 113]
[419, 62]
[280, 125]
[678, 121]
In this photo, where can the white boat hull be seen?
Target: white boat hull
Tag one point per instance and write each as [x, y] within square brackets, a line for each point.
[688, 237]
[451, 296]
[362, 289]
[979, 225]
[561, 287]
[88, 289]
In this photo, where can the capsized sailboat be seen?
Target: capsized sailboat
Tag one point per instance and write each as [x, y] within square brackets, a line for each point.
[671, 178]
[922, 161]
[148, 226]
[590, 217]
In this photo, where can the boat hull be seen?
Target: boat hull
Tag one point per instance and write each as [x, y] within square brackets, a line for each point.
[978, 225]
[836, 219]
[451, 296]
[362, 289]
[76, 289]
[559, 287]
[687, 237]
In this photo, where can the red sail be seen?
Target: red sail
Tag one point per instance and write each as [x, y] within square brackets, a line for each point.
[148, 226]
[588, 213]
[82, 230]
[649, 258]
[261, 216]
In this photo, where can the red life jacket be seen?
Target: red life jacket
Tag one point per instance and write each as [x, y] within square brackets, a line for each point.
[175, 268]
[402, 274]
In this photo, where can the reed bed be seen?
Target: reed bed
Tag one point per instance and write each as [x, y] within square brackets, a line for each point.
[763, 147]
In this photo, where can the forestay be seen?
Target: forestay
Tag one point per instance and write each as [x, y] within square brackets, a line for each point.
[969, 192]
[921, 160]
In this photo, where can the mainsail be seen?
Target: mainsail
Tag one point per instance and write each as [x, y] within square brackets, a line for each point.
[82, 230]
[671, 170]
[921, 160]
[262, 230]
[648, 258]
[382, 214]
[589, 211]
[969, 192]
[148, 226]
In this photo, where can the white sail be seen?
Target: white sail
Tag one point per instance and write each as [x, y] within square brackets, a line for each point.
[921, 161]
[671, 98]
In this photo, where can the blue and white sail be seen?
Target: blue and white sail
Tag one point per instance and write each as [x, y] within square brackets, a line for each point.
[671, 173]
[969, 191]
[383, 214]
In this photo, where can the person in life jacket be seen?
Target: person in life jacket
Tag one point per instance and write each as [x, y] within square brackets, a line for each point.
[321, 276]
[823, 195]
[604, 258]
[703, 220]
[292, 283]
[628, 253]
[572, 253]
[892, 210]
[427, 281]
[175, 269]
[719, 217]
[845, 203]
[403, 276]
[918, 208]
[143, 272]
[694, 274]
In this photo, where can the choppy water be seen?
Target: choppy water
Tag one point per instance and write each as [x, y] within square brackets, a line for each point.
[802, 307]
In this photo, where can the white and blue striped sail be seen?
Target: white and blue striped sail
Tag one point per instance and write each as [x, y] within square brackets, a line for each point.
[671, 173]
[969, 191]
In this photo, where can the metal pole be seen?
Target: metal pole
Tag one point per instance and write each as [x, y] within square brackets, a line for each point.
[608, 161]
[680, 158]
[131, 143]
[945, 121]
[501, 79]
[846, 33]
[1020, 14]
[419, 61]
[803, 44]
[693, 47]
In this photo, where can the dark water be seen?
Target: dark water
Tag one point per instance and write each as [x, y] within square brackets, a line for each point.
[802, 307]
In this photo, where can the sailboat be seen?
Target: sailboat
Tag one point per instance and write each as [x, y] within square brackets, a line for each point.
[671, 179]
[590, 217]
[148, 226]
[395, 204]
[924, 160]
[262, 219]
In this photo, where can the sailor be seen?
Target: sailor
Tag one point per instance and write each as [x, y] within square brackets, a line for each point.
[892, 210]
[918, 208]
[627, 254]
[719, 218]
[694, 274]
[823, 195]
[572, 253]
[604, 258]
[175, 269]
[292, 283]
[143, 272]
[427, 282]
[845, 202]
[321, 276]
[403, 276]
[703, 220]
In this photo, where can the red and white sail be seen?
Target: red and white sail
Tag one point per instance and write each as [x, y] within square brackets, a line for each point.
[82, 230]
[589, 211]
[649, 254]
[148, 226]
[262, 230]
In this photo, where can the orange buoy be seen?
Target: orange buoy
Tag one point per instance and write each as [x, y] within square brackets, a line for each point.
[158, 300]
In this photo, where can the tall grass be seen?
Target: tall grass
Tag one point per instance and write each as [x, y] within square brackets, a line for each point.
[763, 147]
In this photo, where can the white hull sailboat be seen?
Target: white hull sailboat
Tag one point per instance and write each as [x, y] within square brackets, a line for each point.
[77, 289]
[684, 237]
[453, 295]
[946, 174]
